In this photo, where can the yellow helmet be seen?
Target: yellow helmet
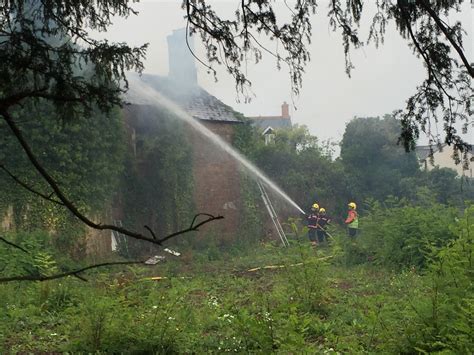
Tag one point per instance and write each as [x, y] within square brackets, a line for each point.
[322, 209]
[352, 205]
[315, 206]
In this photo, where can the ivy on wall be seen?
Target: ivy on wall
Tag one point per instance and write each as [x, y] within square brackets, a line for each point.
[84, 155]
[158, 181]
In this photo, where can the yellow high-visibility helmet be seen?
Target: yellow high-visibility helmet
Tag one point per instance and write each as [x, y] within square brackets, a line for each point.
[315, 206]
[322, 209]
[352, 205]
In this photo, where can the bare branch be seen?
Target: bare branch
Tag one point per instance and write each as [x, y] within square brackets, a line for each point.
[29, 188]
[70, 205]
[192, 227]
[14, 245]
[151, 231]
[74, 273]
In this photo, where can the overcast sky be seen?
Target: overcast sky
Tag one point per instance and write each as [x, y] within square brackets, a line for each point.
[381, 82]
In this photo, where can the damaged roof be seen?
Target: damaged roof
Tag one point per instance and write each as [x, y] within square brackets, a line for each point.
[193, 99]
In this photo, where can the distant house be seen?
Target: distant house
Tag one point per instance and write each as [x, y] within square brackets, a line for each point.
[269, 135]
[268, 124]
[443, 158]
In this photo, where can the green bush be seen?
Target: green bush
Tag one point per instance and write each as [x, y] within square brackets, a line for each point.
[398, 235]
[443, 320]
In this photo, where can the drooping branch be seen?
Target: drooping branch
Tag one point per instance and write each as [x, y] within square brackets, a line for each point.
[423, 53]
[426, 6]
[230, 41]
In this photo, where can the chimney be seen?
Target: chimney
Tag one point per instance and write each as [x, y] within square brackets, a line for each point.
[285, 110]
[182, 68]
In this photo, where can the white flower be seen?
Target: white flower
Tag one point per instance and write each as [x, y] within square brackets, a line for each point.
[155, 307]
[213, 302]
[226, 317]
[267, 316]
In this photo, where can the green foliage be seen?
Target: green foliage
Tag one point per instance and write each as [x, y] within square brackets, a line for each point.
[399, 235]
[38, 261]
[305, 171]
[306, 305]
[252, 214]
[40, 56]
[376, 167]
[85, 156]
[372, 158]
[158, 182]
[445, 317]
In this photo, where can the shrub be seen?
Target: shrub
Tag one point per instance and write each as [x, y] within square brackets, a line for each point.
[399, 235]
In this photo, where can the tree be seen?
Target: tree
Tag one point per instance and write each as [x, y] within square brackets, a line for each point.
[48, 58]
[443, 96]
[297, 162]
[378, 168]
[372, 158]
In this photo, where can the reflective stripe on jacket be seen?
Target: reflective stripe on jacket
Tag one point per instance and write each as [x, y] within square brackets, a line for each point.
[312, 220]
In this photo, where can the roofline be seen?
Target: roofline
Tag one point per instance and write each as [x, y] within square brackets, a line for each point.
[269, 117]
[217, 121]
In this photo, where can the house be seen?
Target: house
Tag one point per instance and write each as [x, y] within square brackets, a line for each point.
[216, 175]
[268, 124]
[443, 158]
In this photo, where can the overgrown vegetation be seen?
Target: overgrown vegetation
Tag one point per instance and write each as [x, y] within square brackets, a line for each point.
[157, 185]
[371, 166]
[311, 301]
[403, 286]
[86, 155]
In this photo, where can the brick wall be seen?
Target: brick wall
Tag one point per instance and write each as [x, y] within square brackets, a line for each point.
[215, 174]
[216, 182]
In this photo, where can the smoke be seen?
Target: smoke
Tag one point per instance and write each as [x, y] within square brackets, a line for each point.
[141, 93]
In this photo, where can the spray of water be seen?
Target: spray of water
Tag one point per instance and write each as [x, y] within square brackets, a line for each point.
[140, 92]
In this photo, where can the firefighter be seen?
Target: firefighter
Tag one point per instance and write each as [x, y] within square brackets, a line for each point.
[352, 220]
[323, 221]
[313, 223]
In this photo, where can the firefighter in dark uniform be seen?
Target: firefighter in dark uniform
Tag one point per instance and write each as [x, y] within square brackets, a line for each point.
[322, 223]
[313, 223]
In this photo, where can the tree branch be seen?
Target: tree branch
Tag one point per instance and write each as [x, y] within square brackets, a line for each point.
[193, 227]
[423, 54]
[70, 205]
[8, 101]
[74, 273]
[451, 40]
[14, 245]
[151, 231]
[29, 188]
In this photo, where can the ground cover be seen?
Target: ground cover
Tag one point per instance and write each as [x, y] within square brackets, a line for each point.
[306, 301]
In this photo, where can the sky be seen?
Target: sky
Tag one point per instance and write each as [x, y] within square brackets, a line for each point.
[381, 82]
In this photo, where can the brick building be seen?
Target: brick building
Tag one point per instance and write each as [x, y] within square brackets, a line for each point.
[216, 174]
